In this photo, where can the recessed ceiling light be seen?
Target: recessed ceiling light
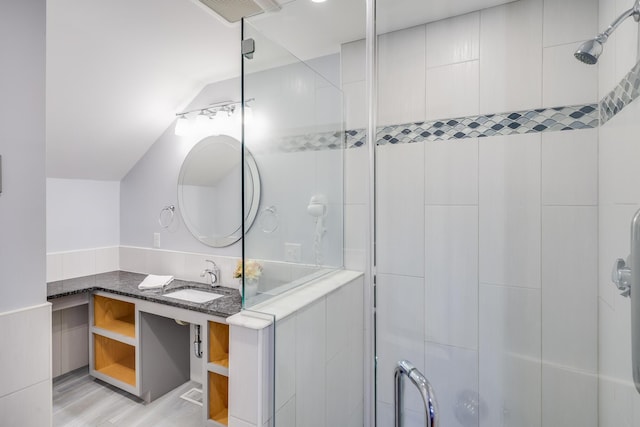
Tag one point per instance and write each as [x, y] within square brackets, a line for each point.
[318, 1]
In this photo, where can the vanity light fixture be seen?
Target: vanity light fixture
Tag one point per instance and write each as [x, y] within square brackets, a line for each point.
[207, 119]
[182, 125]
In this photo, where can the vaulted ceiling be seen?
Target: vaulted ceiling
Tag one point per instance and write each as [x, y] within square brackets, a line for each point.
[119, 70]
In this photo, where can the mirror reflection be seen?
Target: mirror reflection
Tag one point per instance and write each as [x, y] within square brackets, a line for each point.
[209, 190]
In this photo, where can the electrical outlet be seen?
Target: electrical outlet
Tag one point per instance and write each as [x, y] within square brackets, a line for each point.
[293, 252]
[156, 240]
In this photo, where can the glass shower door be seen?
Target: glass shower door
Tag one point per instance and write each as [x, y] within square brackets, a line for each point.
[487, 213]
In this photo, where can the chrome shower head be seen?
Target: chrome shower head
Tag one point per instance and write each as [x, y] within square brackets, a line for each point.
[589, 52]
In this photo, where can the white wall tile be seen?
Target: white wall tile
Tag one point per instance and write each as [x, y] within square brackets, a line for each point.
[607, 61]
[356, 180]
[453, 373]
[619, 150]
[569, 285]
[353, 57]
[400, 332]
[410, 418]
[243, 374]
[451, 266]
[453, 40]
[626, 45]
[566, 81]
[54, 267]
[401, 76]
[337, 394]
[56, 350]
[511, 57]
[614, 358]
[569, 21]
[400, 208]
[338, 315]
[30, 406]
[569, 398]
[22, 365]
[355, 105]
[107, 259]
[453, 90]
[510, 210]
[310, 359]
[235, 422]
[78, 264]
[451, 172]
[356, 220]
[286, 416]
[510, 383]
[285, 387]
[613, 242]
[570, 167]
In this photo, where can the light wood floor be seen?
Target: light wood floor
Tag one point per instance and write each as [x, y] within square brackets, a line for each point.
[80, 400]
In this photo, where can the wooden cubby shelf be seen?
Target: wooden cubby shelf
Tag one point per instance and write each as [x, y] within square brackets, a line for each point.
[114, 315]
[115, 359]
[219, 344]
[218, 398]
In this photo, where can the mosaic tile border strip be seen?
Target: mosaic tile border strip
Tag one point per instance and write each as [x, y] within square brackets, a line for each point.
[586, 116]
[519, 122]
[622, 95]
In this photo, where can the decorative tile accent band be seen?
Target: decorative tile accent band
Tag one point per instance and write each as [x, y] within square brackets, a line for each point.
[622, 95]
[519, 122]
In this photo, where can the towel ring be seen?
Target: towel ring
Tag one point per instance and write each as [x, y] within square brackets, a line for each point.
[165, 219]
[269, 220]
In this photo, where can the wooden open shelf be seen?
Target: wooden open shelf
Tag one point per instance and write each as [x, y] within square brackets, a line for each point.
[114, 315]
[218, 398]
[115, 359]
[219, 344]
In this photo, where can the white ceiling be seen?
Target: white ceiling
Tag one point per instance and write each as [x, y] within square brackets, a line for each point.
[119, 70]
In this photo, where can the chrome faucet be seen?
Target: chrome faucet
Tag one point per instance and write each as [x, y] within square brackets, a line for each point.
[213, 272]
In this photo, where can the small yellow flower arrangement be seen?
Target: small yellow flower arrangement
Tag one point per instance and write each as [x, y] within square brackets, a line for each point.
[252, 270]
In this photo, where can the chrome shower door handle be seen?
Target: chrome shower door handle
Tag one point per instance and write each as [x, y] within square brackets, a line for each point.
[634, 265]
[621, 277]
[405, 367]
[626, 276]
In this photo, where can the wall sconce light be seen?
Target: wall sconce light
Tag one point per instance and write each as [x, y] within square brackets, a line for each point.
[209, 120]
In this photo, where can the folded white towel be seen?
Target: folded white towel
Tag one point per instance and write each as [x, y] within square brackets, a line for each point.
[155, 282]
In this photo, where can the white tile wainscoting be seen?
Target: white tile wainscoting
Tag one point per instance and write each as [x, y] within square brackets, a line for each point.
[25, 366]
[319, 353]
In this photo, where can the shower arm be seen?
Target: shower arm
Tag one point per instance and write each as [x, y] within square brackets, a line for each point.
[634, 11]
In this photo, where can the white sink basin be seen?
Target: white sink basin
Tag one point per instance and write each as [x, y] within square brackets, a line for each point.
[193, 295]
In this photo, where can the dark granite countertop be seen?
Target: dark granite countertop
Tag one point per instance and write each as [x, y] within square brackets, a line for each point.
[126, 283]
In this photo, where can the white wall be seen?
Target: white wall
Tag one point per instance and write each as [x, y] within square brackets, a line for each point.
[619, 200]
[288, 180]
[474, 237]
[82, 214]
[25, 369]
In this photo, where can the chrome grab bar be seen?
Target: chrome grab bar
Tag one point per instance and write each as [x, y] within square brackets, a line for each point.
[405, 367]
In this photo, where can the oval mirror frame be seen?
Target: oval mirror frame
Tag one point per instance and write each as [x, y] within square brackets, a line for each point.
[217, 153]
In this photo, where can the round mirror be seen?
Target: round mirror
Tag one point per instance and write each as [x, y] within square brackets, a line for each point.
[209, 190]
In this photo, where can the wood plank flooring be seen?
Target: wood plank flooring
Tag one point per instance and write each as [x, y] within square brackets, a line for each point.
[82, 401]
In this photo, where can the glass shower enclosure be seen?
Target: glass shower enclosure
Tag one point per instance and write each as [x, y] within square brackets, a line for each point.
[505, 183]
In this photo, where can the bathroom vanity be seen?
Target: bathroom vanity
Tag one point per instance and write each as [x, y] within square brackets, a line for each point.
[139, 341]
